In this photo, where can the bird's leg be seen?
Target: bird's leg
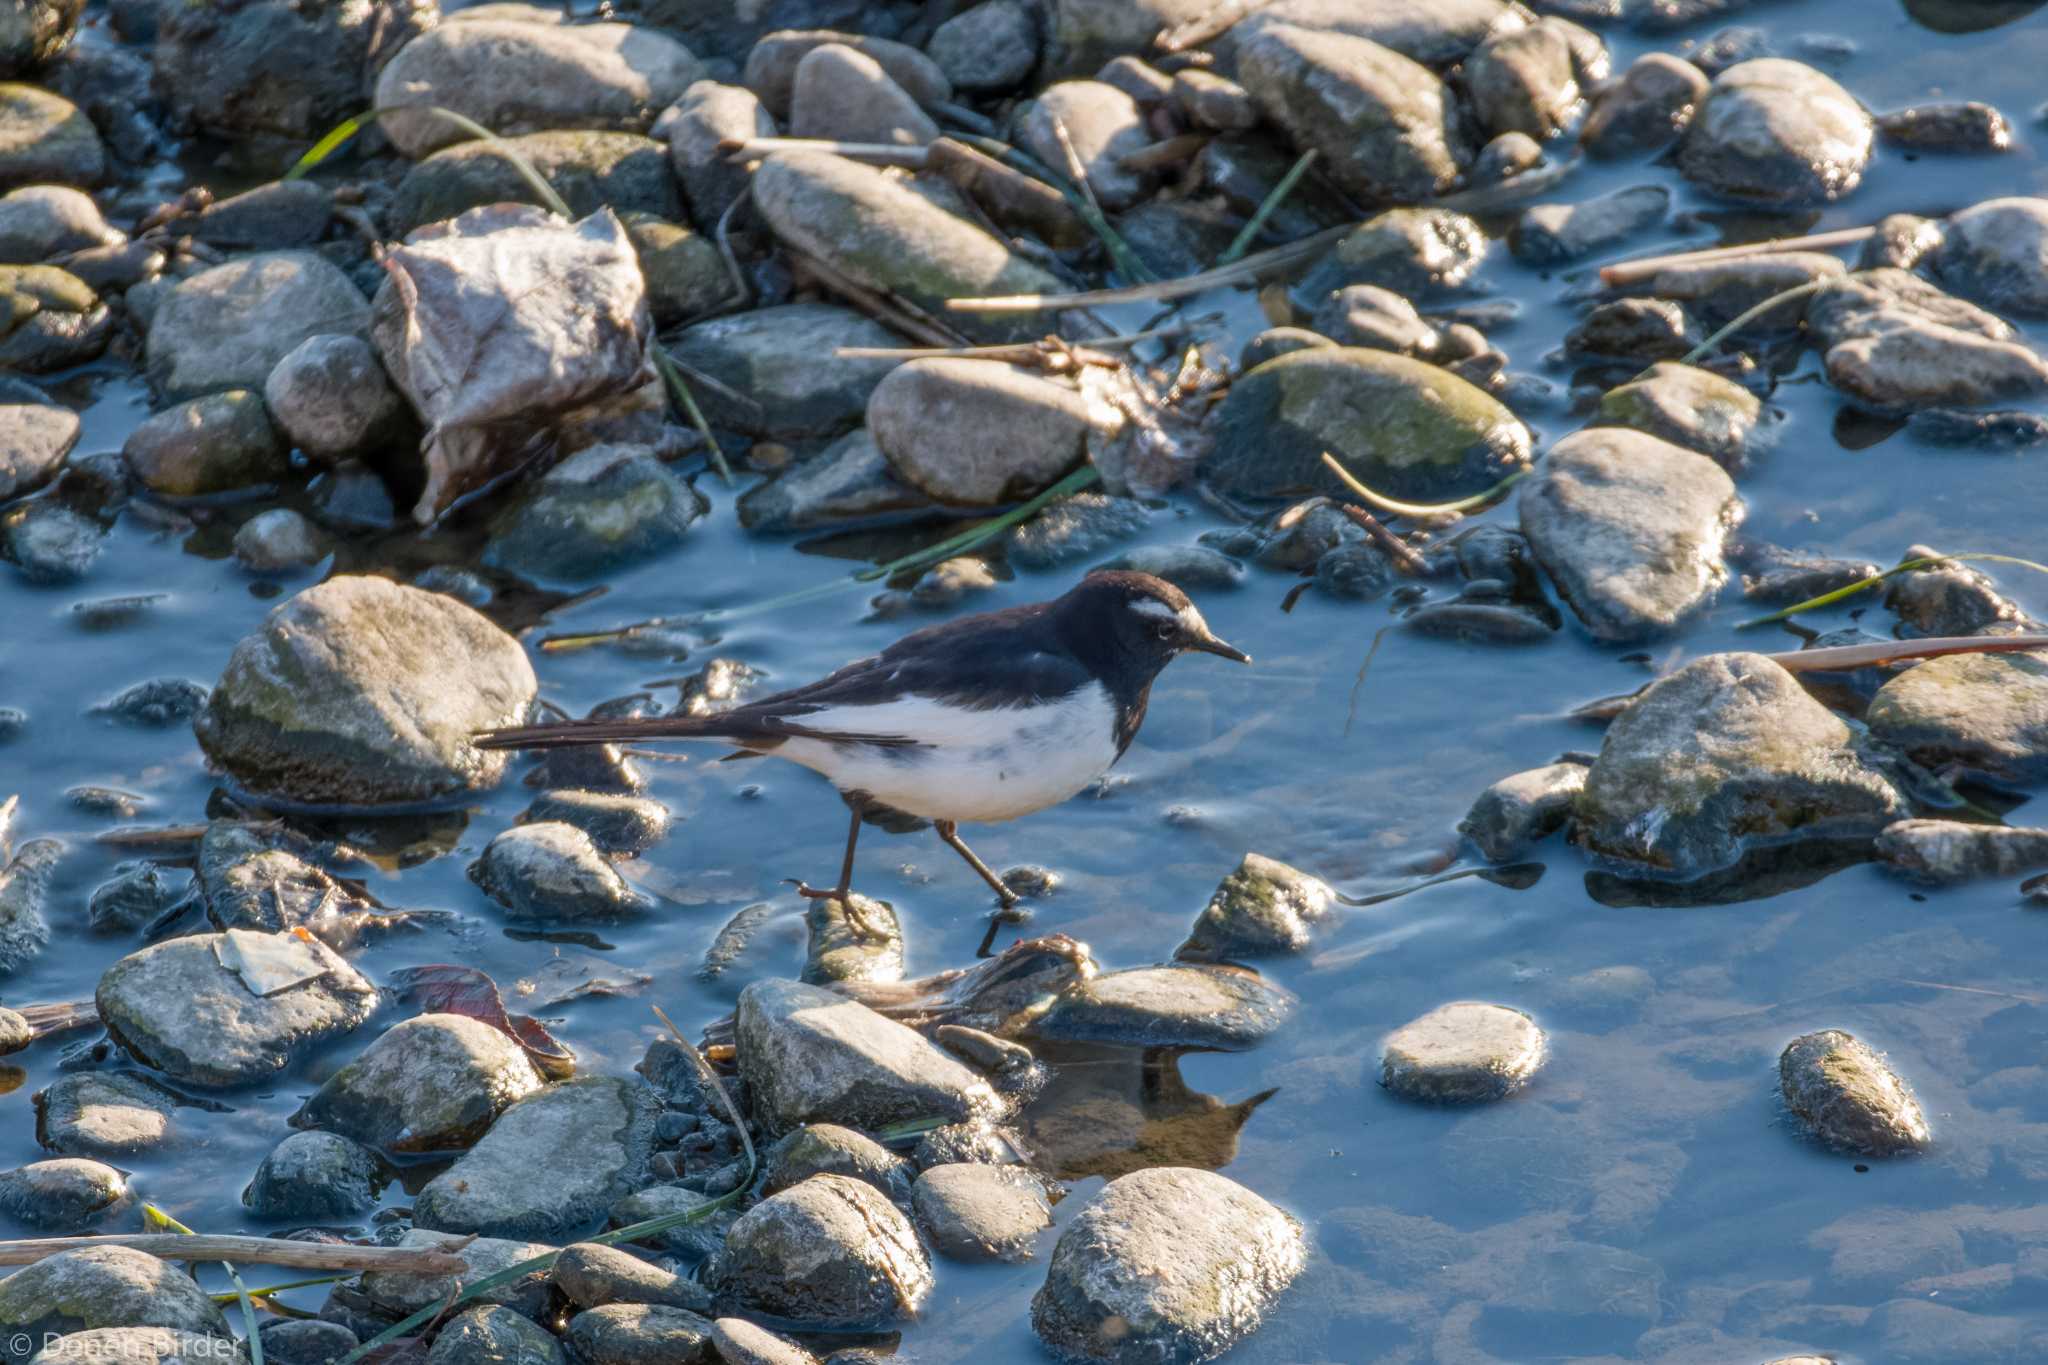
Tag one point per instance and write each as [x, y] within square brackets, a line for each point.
[843, 893]
[950, 832]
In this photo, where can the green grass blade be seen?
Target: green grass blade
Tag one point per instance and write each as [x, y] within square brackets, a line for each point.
[1422, 509]
[348, 128]
[1828, 599]
[679, 389]
[1251, 230]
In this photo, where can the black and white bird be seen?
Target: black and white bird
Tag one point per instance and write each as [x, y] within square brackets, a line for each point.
[978, 720]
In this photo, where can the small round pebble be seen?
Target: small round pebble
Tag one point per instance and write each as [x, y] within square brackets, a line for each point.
[1462, 1053]
[15, 1032]
[1848, 1096]
[973, 1212]
[740, 1342]
[280, 539]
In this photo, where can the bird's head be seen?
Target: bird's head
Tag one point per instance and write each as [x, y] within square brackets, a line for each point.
[1143, 617]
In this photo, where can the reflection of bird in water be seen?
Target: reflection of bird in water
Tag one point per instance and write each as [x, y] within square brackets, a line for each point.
[1109, 1111]
[982, 719]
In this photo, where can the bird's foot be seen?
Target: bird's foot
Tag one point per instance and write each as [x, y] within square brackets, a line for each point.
[1006, 913]
[856, 917]
[812, 893]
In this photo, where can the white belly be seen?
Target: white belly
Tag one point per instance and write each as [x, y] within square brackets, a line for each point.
[977, 765]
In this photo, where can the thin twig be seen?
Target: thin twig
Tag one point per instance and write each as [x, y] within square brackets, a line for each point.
[1747, 316]
[1838, 657]
[1422, 509]
[892, 310]
[1623, 273]
[743, 292]
[249, 1251]
[673, 377]
[738, 149]
[1214, 24]
[1023, 351]
[1081, 196]
[1400, 551]
[1174, 151]
[1278, 195]
[1236, 273]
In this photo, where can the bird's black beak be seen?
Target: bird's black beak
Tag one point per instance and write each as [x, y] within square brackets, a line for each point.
[1212, 645]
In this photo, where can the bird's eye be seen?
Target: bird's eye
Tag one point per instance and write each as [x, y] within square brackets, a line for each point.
[1162, 631]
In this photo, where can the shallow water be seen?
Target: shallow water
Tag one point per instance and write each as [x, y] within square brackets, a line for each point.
[1645, 1199]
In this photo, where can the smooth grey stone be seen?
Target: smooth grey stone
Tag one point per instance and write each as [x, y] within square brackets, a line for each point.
[34, 439]
[41, 221]
[280, 540]
[1948, 597]
[1635, 329]
[1463, 1053]
[591, 1276]
[1178, 1005]
[740, 1342]
[305, 1341]
[1526, 80]
[1943, 852]
[1986, 712]
[1520, 810]
[331, 397]
[66, 1194]
[1775, 132]
[276, 71]
[1439, 35]
[626, 172]
[831, 1251]
[991, 47]
[603, 509]
[273, 217]
[313, 1177]
[1996, 253]
[976, 432]
[1103, 125]
[113, 1114]
[1166, 1264]
[1551, 234]
[1690, 407]
[432, 1083]
[175, 1007]
[1958, 126]
[46, 139]
[1647, 108]
[1073, 529]
[1726, 754]
[1191, 568]
[495, 1335]
[827, 1148]
[220, 443]
[1895, 341]
[706, 115]
[1849, 1097]
[24, 884]
[154, 704]
[228, 327]
[77, 1291]
[849, 480]
[772, 66]
[396, 1293]
[974, 1212]
[616, 824]
[1377, 319]
[640, 1334]
[782, 358]
[842, 93]
[552, 871]
[1719, 291]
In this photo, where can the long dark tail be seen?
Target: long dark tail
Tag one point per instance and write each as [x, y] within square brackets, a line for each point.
[563, 733]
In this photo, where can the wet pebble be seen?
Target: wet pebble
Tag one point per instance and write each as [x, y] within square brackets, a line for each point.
[1165, 1264]
[1896, 341]
[1462, 1053]
[35, 436]
[976, 432]
[600, 510]
[228, 327]
[694, 1240]
[24, 882]
[103, 1287]
[1526, 80]
[331, 397]
[772, 64]
[1263, 907]
[1519, 811]
[841, 92]
[315, 1177]
[975, 1212]
[391, 1294]
[1690, 407]
[707, 114]
[1103, 125]
[493, 1335]
[432, 1083]
[740, 1342]
[65, 1194]
[1949, 851]
[49, 542]
[1644, 109]
[848, 480]
[616, 824]
[154, 704]
[1377, 319]
[46, 139]
[827, 1148]
[1987, 712]
[113, 1114]
[1948, 597]
[590, 1275]
[1186, 1005]
[280, 540]
[1957, 126]
[1416, 252]
[553, 871]
[1550, 234]
[1848, 1096]
[864, 945]
[811, 1055]
[640, 1334]
[829, 1252]
[988, 48]
[38, 222]
[1773, 131]
[1996, 253]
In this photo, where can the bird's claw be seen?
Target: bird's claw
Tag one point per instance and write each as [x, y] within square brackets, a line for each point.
[856, 918]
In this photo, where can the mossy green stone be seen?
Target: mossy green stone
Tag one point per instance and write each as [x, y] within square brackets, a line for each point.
[46, 140]
[625, 171]
[1403, 428]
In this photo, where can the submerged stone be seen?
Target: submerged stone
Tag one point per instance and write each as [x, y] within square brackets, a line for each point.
[1181, 1005]
[552, 871]
[112, 1114]
[67, 1194]
[1462, 1053]
[603, 509]
[1947, 851]
[313, 1177]
[1518, 811]
[1849, 1097]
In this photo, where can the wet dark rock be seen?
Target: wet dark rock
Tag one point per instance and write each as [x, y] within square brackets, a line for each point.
[1374, 318]
[1942, 852]
[599, 510]
[1646, 108]
[1177, 237]
[50, 318]
[1294, 538]
[782, 358]
[1074, 529]
[626, 172]
[640, 1334]
[590, 1276]
[46, 140]
[24, 881]
[1466, 1052]
[352, 497]
[772, 66]
[552, 871]
[1191, 568]
[1849, 1097]
[686, 275]
[830, 1252]
[974, 1212]
[114, 1114]
[396, 1293]
[828, 1149]
[34, 33]
[177, 1007]
[1415, 252]
[616, 824]
[279, 541]
[1550, 234]
[1894, 340]
[1781, 577]
[111, 83]
[305, 1341]
[976, 432]
[141, 1345]
[811, 1056]
[1525, 80]
[76, 1291]
[1987, 712]
[258, 68]
[1725, 755]
[1242, 170]
[2007, 429]
[1215, 102]
[1689, 407]
[362, 691]
[706, 115]
[1521, 810]
[1103, 124]
[1958, 126]
[1182, 1005]
[984, 1051]
[1775, 132]
[433, 1083]
[531, 70]
[694, 1240]
[1948, 597]
[841, 950]
[1165, 1264]
[1275, 342]
[591, 1135]
[740, 1342]
[315, 1177]
[38, 222]
[48, 542]
[841, 92]
[1403, 428]
[250, 882]
[1384, 124]
[980, 1143]
[1630, 529]
[1488, 619]
[494, 1335]
[1504, 158]
[215, 444]
[1996, 253]
[1264, 907]
[228, 327]
[991, 47]
[849, 480]
[273, 217]
[62, 1195]
[155, 703]
[331, 397]
[34, 439]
